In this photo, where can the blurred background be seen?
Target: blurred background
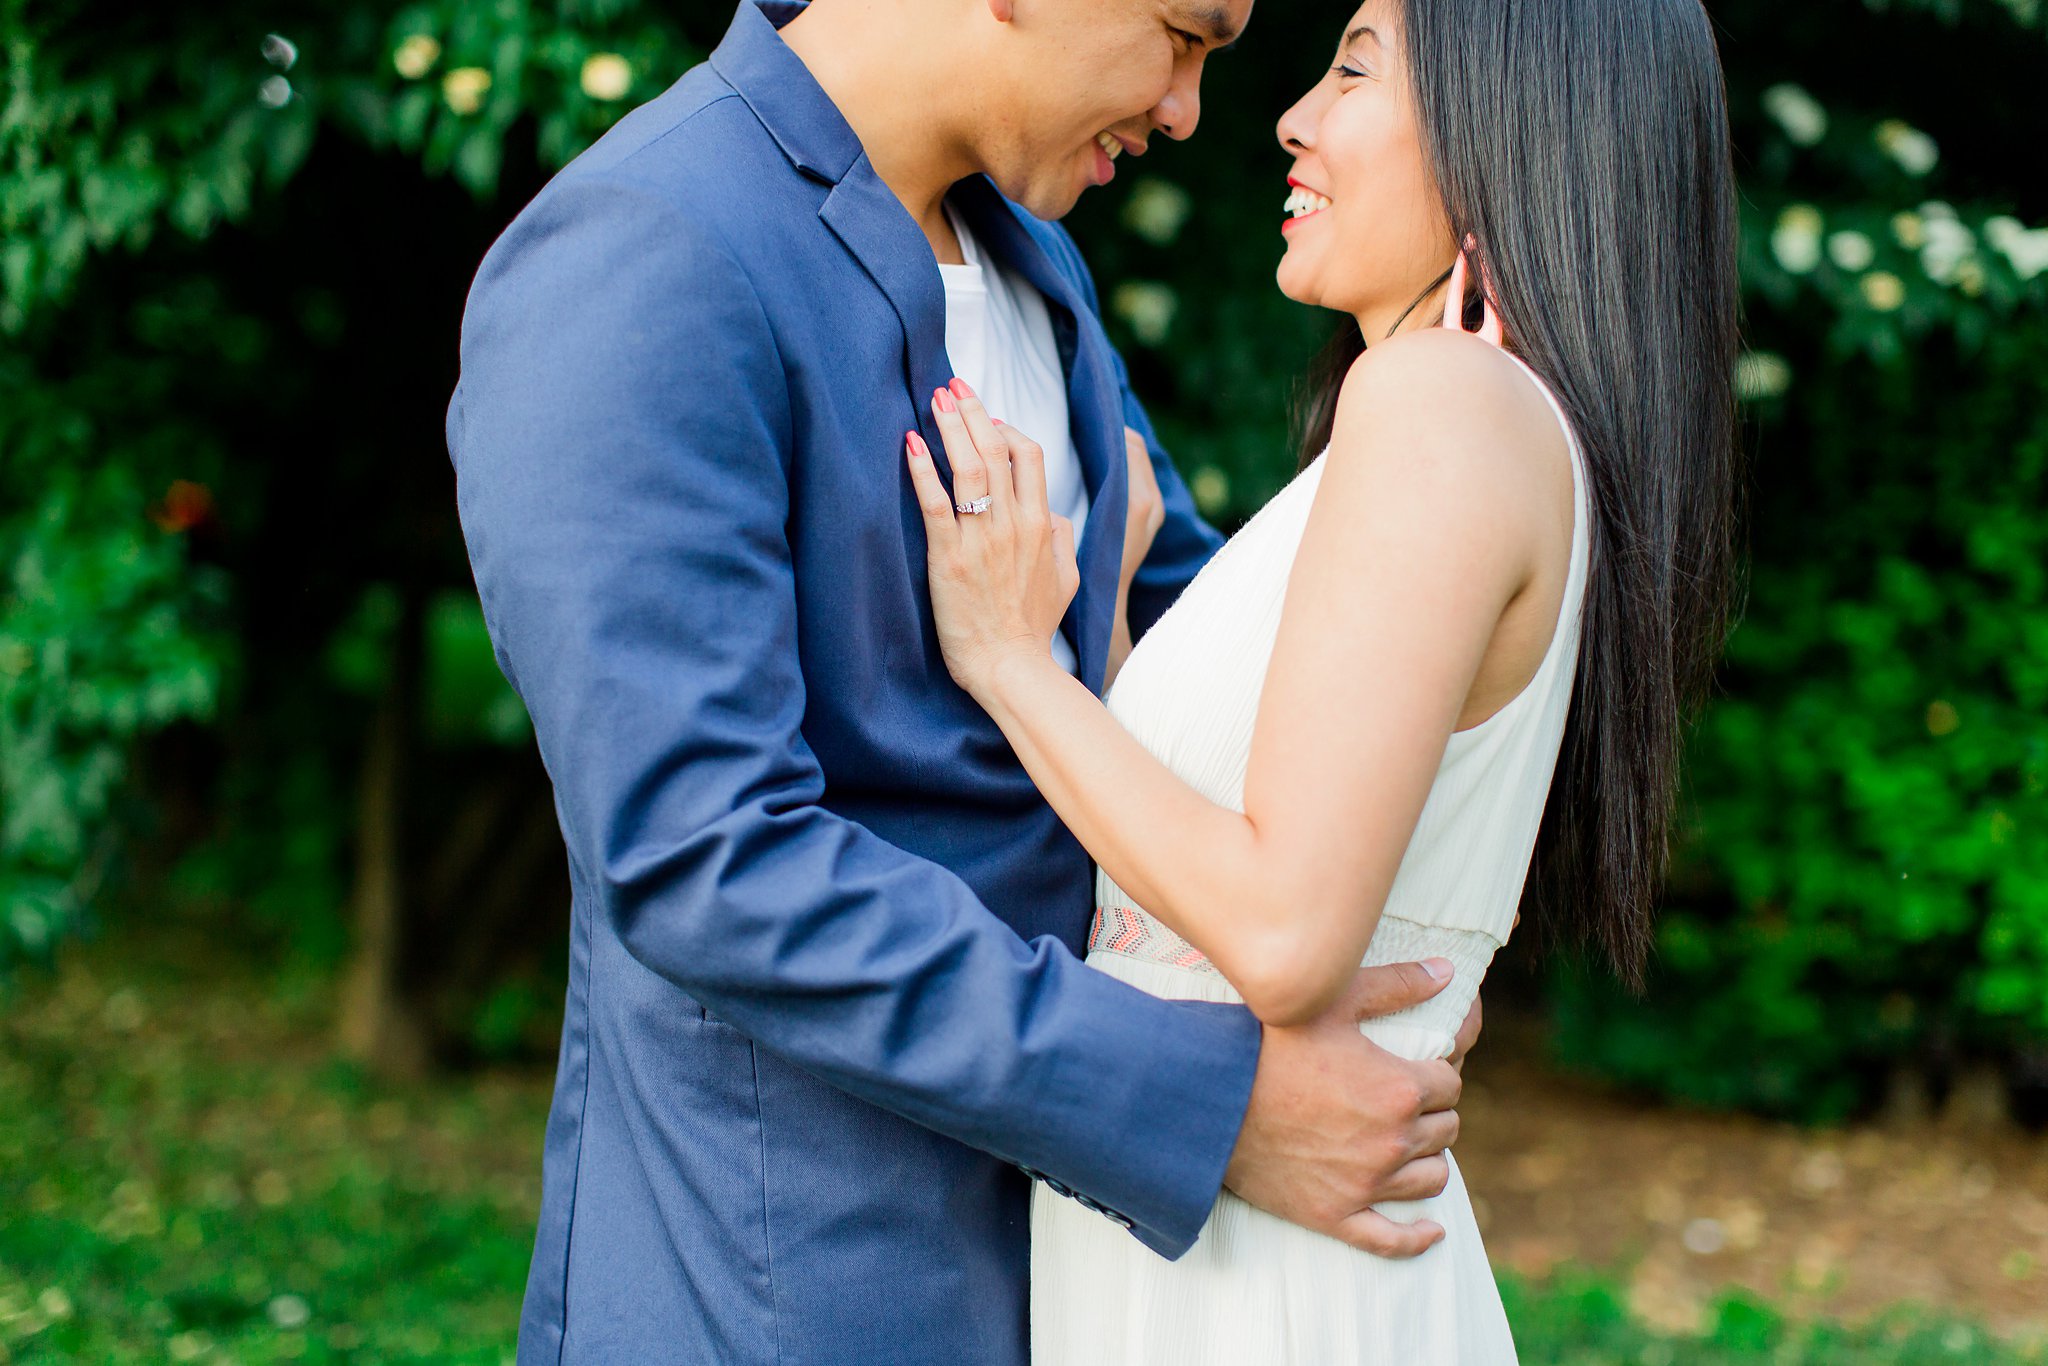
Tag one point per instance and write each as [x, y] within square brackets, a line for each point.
[282, 907]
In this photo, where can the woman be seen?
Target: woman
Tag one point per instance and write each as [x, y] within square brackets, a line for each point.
[1507, 558]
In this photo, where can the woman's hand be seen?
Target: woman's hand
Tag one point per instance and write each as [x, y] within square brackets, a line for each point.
[1146, 512]
[1143, 516]
[1001, 578]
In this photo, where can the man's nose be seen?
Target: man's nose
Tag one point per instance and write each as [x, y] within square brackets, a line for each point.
[1177, 114]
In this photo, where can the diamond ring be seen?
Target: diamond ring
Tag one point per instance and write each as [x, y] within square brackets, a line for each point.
[975, 508]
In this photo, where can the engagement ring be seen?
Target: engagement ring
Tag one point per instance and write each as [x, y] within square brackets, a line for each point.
[975, 508]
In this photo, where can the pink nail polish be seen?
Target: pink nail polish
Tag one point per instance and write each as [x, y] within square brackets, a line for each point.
[943, 399]
[960, 389]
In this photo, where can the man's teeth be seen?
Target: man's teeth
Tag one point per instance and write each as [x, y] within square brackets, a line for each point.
[1304, 202]
[1108, 143]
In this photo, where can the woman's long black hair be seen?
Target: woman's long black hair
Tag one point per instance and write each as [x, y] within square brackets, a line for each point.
[1584, 145]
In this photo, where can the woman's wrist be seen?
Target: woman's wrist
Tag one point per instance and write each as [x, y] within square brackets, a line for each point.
[1008, 678]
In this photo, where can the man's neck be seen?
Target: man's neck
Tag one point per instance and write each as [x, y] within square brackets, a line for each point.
[866, 56]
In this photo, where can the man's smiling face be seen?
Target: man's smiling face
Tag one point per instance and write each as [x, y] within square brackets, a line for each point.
[1077, 84]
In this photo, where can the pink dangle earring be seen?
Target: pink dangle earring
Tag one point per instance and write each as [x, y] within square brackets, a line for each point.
[1454, 305]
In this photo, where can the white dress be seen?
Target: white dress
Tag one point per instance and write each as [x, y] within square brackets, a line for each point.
[1255, 1290]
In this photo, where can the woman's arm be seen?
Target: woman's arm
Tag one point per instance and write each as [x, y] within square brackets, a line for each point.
[1427, 526]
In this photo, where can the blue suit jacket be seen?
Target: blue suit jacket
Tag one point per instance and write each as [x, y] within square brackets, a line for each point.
[824, 1013]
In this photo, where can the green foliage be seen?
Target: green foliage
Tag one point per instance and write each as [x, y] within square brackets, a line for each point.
[132, 363]
[97, 646]
[112, 132]
[460, 77]
[1870, 795]
[1863, 885]
[107, 136]
[107, 632]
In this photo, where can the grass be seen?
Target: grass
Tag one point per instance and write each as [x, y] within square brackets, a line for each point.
[185, 1174]
[1580, 1319]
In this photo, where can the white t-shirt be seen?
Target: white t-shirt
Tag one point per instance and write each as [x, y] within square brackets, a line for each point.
[999, 336]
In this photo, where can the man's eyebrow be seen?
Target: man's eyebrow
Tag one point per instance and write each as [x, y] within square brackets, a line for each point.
[1216, 19]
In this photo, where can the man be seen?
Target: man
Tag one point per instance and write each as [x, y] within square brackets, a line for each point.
[825, 1015]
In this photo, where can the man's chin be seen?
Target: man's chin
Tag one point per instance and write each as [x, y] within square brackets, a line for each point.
[1042, 200]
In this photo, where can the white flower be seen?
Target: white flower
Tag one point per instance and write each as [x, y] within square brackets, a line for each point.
[279, 51]
[607, 76]
[2025, 248]
[2003, 231]
[1156, 210]
[1948, 245]
[1883, 290]
[1912, 149]
[1797, 112]
[465, 87]
[1909, 230]
[1796, 239]
[1148, 307]
[275, 92]
[1851, 250]
[1803, 217]
[2029, 256]
[416, 56]
[1761, 374]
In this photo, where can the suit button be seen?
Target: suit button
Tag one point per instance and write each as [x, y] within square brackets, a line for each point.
[1057, 1188]
[1122, 1221]
[1033, 1173]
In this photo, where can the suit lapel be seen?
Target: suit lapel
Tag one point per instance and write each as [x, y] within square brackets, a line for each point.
[873, 225]
[880, 233]
[1094, 408]
[858, 208]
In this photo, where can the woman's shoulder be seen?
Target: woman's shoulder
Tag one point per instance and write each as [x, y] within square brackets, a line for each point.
[1449, 405]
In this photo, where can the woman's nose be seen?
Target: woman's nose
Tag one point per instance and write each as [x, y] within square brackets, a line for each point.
[1296, 128]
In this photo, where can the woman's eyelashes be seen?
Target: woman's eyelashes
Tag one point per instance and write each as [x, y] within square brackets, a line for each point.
[1348, 73]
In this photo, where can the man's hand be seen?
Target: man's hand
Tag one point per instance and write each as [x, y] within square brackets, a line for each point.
[1337, 1124]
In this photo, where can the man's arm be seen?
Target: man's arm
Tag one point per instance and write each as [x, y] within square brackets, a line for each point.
[621, 439]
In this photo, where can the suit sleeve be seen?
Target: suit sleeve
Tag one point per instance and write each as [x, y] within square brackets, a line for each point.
[622, 439]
